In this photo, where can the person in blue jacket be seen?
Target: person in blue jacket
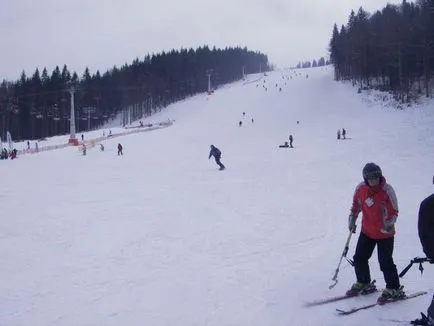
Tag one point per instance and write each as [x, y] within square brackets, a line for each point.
[217, 155]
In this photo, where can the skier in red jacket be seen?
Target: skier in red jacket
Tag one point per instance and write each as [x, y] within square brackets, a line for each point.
[377, 201]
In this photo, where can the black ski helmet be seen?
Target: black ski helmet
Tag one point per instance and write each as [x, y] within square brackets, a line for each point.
[370, 171]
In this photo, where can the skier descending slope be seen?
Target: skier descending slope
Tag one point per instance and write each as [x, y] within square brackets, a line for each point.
[217, 155]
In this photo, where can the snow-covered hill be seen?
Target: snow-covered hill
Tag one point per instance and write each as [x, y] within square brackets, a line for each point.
[159, 236]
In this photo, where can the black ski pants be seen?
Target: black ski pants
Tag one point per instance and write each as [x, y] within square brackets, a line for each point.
[220, 164]
[431, 308]
[364, 250]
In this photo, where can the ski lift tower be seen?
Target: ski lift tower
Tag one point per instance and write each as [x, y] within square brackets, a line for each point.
[209, 73]
[89, 110]
[72, 137]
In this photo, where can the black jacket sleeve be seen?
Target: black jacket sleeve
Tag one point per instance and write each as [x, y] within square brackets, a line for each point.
[426, 226]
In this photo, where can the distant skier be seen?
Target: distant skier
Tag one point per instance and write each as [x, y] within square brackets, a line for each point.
[240, 123]
[290, 141]
[217, 155]
[84, 149]
[253, 121]
[120, 149]
[101, 147]
[339, 134]
[244, 114]
[344, 133]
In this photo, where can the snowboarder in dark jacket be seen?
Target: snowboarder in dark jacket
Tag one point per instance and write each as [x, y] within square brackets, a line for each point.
[426, 236]
[217, 155]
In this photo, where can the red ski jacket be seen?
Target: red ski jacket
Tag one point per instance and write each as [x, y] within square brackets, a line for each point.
[378, 205]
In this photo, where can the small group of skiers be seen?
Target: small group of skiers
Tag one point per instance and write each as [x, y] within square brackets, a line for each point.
[344, 134]
[4, 155]
[101, 147]
[240, 123]
[377, 201]
[286, 145]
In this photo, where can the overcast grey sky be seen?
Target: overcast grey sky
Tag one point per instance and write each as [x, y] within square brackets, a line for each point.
[103, 33]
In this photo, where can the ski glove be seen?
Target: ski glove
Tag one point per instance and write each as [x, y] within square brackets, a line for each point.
[352, 223]
[388, 225]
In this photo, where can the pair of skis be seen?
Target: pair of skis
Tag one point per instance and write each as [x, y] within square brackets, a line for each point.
[334, 299]
[372, 305]
[342, 312]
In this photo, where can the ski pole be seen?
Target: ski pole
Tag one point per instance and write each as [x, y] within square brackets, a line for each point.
[344, 254]
[416, 260]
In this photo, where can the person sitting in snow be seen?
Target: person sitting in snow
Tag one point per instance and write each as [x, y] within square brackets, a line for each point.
[4, 154]
[13, 154]
[284, 145]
